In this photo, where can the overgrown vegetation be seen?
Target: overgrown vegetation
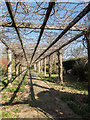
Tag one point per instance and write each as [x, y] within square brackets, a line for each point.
[78, 68]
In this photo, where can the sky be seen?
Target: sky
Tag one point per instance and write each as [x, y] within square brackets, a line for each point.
[33, 34]
[48, 0]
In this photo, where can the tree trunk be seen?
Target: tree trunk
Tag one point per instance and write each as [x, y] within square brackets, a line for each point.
[60, 67]
[44, 66]
[9, 58]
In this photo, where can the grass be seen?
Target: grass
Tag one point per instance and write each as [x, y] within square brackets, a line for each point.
[6, 114]
[7, 94]
[75, 92]
[70, 84]
[80, 109]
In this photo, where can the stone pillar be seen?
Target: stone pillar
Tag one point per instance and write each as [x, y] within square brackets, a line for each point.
[35, 66]
[17, 70]
[15, 64]
[41, 66]
[60, 67]
[9, 58]
[50, 66]
[44, 66]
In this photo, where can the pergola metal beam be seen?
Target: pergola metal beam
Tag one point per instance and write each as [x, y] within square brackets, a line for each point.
[72, 23]
[36, 26]
[10, 10]
[73, 39]
[51, 4]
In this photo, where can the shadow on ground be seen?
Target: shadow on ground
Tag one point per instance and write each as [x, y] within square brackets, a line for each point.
[50, 102]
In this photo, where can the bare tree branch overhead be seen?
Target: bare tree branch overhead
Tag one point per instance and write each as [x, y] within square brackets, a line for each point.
[29, 19]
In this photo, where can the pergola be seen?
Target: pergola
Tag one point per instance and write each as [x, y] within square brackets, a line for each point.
[34, 31]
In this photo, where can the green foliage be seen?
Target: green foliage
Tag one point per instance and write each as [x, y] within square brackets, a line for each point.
[11, 89]
[68, 97]
[6, 114]
[32, 67]
[17, 110]
[5, 82]
[80, 69]
[55, 69]
[79, 109]
[68, 64]
[3, 70]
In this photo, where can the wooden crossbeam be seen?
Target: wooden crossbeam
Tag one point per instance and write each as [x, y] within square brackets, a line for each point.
[51, 4]
[73, 39]
[72, 23]
[36, 26]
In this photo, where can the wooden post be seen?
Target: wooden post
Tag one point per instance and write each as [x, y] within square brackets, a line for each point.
[50, 69]
[9, 58]
[35, 66]
[60, 67]
[44, 66]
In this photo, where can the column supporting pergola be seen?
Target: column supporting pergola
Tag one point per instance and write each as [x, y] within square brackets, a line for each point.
[60, 67]
[9, 67]
[44, 60]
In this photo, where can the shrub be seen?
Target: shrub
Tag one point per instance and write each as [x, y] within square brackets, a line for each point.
[55, 69]
[80, 69]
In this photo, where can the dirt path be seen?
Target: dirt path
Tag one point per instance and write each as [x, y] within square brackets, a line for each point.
[39, 101]
[46, 103]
